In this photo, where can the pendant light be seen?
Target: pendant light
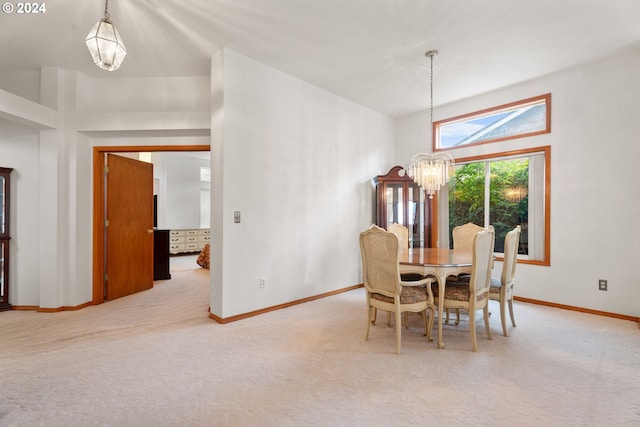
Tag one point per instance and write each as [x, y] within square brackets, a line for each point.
[431, 170]
[105, 44]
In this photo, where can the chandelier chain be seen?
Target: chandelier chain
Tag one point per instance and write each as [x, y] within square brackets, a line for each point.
[431, 54]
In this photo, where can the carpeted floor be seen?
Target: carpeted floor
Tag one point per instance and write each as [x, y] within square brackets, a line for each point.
[156, 359]
[183, 263]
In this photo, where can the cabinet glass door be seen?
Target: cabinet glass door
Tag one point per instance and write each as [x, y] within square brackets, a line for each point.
[395, 204]
[2, 273]
[3, 182]
[416, 216]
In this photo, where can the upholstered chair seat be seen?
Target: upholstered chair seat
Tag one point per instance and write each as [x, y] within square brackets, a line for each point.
[408, 295]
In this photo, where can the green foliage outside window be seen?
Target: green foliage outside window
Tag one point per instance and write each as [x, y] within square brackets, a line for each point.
[508, 200]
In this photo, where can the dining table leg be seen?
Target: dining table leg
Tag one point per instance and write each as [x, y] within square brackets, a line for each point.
[442, 280]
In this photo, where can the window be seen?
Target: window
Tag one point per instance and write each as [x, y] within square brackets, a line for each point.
[502, 190]
[516, 120]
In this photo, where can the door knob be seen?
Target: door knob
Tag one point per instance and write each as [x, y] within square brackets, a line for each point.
[150, 231]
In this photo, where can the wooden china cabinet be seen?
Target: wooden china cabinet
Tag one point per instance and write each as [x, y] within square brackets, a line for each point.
[399, 199]
[5, 189]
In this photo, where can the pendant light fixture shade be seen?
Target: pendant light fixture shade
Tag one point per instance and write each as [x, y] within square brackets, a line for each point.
[105, 44]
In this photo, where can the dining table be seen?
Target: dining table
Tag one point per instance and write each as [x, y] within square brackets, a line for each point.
[439, 263]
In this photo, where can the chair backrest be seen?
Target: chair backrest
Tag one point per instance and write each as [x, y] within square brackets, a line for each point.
[380, 262]
[480, 280]
[511, 243]
[463, 236]
[401, 232]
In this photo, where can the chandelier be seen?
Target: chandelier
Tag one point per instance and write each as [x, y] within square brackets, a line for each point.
[431, 170]
[105, 44]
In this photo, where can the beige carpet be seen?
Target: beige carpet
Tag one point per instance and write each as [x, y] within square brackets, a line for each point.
[156, 359]
[183, 263]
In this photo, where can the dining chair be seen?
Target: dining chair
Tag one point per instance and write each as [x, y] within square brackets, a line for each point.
[474, 295]
[502, 289]
[402, 233]
[384, 289]
[463, 236]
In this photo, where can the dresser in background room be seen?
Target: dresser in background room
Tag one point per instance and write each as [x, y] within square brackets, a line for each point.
[188, 240]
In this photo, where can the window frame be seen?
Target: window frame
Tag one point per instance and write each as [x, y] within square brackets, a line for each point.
[437, 125]
[546, 151]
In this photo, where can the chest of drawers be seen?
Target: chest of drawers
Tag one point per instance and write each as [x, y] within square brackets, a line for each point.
[188, 240]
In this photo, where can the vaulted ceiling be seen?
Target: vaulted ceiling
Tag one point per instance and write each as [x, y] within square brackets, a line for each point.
[368, 51]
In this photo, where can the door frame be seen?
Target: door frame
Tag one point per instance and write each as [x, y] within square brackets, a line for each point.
[98, 204]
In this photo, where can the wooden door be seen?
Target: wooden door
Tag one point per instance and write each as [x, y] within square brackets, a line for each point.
[129, 230]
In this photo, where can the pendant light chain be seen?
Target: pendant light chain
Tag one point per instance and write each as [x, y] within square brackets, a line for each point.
[431, 54]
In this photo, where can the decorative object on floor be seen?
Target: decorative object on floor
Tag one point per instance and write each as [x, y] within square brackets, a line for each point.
[203, 258]
[431, 170]
[105, 44]
[385, 291]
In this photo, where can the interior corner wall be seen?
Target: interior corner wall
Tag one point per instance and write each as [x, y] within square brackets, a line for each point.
[594, 175]
[296, 162]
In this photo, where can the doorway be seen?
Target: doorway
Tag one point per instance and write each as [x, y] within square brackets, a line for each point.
[99, 153]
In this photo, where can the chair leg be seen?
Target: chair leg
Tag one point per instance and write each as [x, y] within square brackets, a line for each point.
[375, 313]
[513, 320]
[472, 329]
[388, 319]
[406, 320]
[485, 312]
[457, 316]
[370, 311]
[424, 317]
[432, 316]
[398, 331]
[503, 318]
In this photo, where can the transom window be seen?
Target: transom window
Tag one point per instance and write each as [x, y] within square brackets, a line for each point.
[515, 120]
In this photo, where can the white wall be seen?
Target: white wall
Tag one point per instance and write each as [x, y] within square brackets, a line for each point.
[297, 162]
[595, 149]
[179, 192]
[19, 147]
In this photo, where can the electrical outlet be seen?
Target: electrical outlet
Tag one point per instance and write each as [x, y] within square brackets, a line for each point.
[262, 283]
[602, 285]
[236, 217]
